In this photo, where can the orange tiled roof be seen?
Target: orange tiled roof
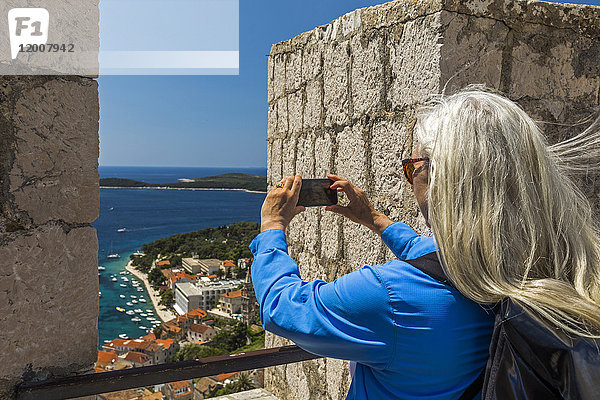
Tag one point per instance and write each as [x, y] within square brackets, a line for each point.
[198, 312]
[136, 357]
[167, 273]
[163, 262]
[222, 377]
[228, 263]
[165, 342]
[232, 295]
[151, 337]
[107, 357]
[213, 276]
[198, 328]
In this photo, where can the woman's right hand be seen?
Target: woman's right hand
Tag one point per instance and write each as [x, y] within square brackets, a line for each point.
[359, 209]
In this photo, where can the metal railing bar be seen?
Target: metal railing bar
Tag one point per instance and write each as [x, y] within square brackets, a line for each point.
[104, 382]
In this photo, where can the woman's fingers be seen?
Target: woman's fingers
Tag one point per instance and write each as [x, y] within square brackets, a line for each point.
[339, 210]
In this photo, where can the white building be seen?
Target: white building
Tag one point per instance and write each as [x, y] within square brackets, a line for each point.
[192, 295]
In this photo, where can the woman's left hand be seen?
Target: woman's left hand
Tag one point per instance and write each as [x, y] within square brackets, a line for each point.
[279, 208]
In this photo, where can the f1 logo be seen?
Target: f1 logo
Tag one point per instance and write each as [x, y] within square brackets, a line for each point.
[27, 26]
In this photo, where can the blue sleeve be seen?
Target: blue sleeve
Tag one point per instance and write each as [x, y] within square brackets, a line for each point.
[405, 243]
[349, 318]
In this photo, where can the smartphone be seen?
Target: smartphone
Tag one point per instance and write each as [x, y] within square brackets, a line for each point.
[316, 192]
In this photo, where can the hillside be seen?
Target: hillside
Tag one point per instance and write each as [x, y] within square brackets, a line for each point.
[224, 181]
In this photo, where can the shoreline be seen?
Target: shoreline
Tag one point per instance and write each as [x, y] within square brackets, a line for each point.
[163, 314]
[172, 188]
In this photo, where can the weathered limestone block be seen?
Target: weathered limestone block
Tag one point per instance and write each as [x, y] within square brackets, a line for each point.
[48, 289]
[278, 75]
[367, 73]
[363, 77]
[415, 60]
[305, 156]
[54, 171]
[336, 62]
[351, 158]
[313, 108]
[293, 71]
[295, 113]
[282, 129]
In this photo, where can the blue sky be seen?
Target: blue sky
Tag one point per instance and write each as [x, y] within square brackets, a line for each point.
[205, 121]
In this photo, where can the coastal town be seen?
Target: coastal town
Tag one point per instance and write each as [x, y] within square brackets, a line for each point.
[203, 306]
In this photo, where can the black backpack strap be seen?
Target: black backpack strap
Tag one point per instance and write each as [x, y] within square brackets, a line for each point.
[430, 265]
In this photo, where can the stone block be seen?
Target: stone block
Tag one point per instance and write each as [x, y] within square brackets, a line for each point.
[336, 63]
[293, 71]
[361, 247]
[351, 157]
[272, 120]
[42, 273]
[313, 108]
[367, 74]
[54, 173]
[270, 80]
[471, 51]
[305, 156]
[415, 60]
[390, 144]
[295, 111]
[288, 157]
[312, 61]
[275, 165]
[282, 129]
[278, 61]
[323, 156]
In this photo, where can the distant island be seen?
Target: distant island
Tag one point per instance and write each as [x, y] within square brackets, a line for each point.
[224, 181]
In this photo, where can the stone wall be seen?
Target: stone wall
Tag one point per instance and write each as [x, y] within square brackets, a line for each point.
[49, 195]
[342, 99]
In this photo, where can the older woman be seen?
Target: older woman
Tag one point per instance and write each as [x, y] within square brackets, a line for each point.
[507, 222]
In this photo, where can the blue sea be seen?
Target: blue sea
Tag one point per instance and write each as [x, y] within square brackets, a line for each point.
[150, 214]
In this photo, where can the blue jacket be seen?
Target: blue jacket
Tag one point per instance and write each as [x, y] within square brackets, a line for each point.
[411, 336]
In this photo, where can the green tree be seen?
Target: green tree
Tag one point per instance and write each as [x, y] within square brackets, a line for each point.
[230, 339]
[166, 298]
[192, 351]
[156, 277]
[244, 382]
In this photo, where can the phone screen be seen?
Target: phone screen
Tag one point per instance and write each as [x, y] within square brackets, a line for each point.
[316, 192]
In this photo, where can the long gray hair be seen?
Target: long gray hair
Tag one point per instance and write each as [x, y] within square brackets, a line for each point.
[508, 219]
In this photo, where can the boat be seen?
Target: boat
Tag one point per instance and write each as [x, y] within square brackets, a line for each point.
[123, 336]
[99, 294]
[138, 253]
[101, 268]
[122, 296]
[129, 304]
[134, 301]
[112, 208]
[111, 254]
[149, 311]
[138, 310]
[114, 279]
[151, 318]
[129, 312]
[144, 314]
[140, 289]
[133, 296]
[136, 319]
[122, 230]
[124, 278]
[143, 300]
[120, 309]
[106, 341]
[123, 285]
[143, 327]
